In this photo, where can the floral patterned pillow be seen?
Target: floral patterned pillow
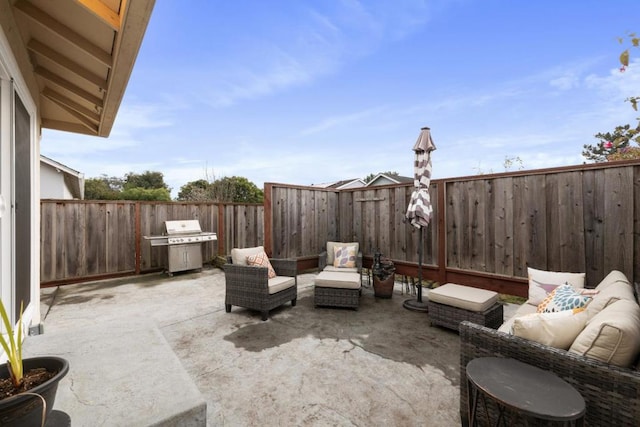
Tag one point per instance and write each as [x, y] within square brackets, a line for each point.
[344, 256]
[564, 297]
[542, 283]
[260, 260]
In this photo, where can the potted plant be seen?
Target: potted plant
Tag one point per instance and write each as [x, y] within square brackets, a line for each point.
[27, 386]
[383, 276]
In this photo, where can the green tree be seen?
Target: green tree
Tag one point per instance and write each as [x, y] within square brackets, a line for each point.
[613, 145]
[145, 186]
[103, 188]
[195, 191]
[139, 193]
[228, 189]
[236, 189]
[147, 179]
[369, 177]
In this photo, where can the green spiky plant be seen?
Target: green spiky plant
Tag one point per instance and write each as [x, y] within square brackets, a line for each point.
[12, 347]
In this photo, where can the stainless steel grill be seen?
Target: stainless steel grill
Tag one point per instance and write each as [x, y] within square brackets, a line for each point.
[184, 241]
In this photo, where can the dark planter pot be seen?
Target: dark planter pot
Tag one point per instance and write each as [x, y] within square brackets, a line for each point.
[24, 409]
[383, 288]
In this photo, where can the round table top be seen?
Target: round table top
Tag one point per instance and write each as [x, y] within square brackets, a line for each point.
[525, 388]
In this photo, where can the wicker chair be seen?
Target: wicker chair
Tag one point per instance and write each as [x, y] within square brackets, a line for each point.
[249, 286]
[337, 296]
[325, 259]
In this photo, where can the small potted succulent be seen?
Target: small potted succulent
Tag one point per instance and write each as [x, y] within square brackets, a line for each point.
[27, 386]
[383, 276]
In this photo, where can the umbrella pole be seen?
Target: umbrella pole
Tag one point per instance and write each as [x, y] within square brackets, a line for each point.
[417, 305]
[420, 267]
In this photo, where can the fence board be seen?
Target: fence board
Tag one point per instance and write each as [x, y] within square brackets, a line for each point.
[454, 219]
[593, 196]
[618, 220]
[502, 220]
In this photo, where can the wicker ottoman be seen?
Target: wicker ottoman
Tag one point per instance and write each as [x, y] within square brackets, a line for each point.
[337, 289]
[450, 304]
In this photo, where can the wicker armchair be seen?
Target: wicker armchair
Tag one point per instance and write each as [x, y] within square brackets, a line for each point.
[250, 287]
[325, 259]
[336, 286]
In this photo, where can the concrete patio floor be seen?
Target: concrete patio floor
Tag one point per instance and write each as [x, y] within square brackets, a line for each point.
[158, 350]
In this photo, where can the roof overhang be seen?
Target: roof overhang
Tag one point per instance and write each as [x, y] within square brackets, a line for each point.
[77, 56]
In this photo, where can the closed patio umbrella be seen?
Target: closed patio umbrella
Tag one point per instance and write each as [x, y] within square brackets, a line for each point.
[420, 209]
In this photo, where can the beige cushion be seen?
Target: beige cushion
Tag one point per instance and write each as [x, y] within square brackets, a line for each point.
[334, 279]
[331, 245]
[557, 330]
[239, 256]
[341, 269]
[280, 283]
[611, 278]
[613, 335]
[607, 295]
[523, 310]
[465, 297]
[542, 283]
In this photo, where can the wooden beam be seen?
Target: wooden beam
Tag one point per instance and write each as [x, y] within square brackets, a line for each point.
[68, 127]
[104, 13]
[63, 100]
[63, 31]
[41, 49]
[65, 84]
[90, 124]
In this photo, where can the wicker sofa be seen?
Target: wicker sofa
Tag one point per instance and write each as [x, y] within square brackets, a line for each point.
[611, 393]
[250, 287]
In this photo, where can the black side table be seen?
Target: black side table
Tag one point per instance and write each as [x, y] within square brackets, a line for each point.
[523, 389]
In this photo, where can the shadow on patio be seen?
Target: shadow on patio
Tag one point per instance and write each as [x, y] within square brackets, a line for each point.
[154, 350]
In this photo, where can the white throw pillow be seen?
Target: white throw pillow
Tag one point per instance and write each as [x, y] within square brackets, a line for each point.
[542, 283]
[557, 330]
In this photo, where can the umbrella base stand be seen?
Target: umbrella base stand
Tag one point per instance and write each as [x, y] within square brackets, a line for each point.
[415, 305]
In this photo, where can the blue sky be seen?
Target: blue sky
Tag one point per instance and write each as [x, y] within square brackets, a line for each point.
[307, 92]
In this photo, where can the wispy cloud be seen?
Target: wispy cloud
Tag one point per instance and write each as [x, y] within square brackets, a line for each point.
[336, 121]
[319, 45]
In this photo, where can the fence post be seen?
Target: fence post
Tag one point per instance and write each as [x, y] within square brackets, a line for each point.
[268, 243]
[221, 235]
[442, 233]
[138, 234]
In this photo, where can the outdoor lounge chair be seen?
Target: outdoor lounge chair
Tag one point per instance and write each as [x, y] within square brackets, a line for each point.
[339, 283]
[249, 286]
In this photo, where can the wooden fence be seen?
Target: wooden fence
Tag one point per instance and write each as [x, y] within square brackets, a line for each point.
[87, 240]
[485, 230]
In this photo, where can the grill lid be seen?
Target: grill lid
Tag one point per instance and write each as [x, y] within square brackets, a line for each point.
[182, 227]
